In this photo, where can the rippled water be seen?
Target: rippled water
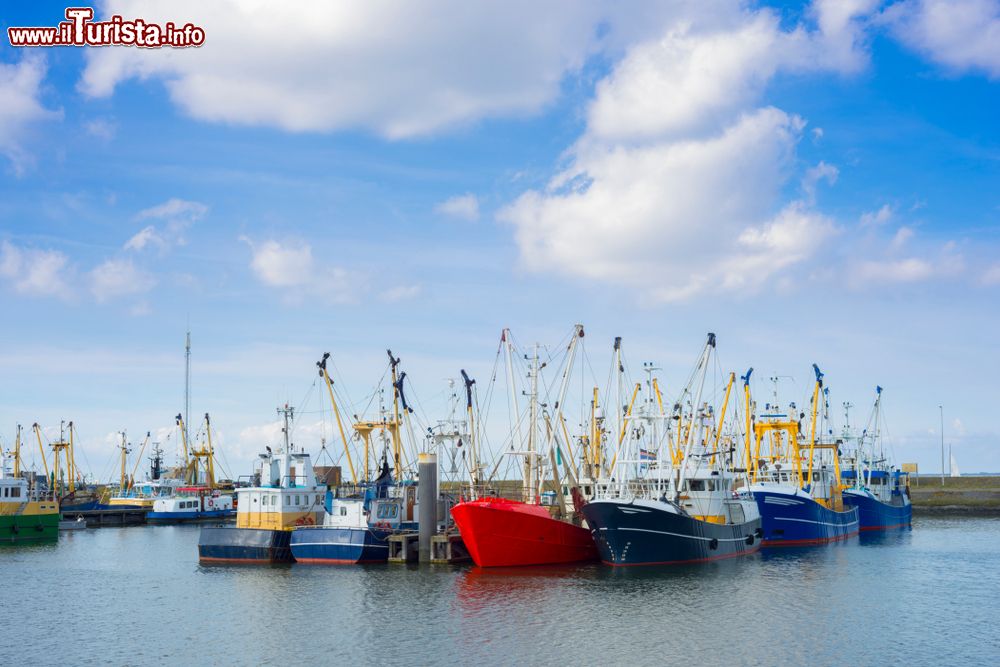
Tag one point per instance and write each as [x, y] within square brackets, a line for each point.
[138, 596]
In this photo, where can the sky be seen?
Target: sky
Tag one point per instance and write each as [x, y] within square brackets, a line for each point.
[813, 182]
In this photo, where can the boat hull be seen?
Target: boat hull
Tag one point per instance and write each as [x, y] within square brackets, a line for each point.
[873, 514]
[189, 517]
[228, 544]
[325, 545]
[29, 528]
[627, 534]
[503, 533]
[795, 520]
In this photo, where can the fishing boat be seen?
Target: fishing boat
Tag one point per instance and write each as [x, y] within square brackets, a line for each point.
[503, 532]
[198, 502]
[879, 491]
[355, 528]
[674, 499]
[129, 494]
[27, 514]
[797, 485]
[359, 518]
[283, 495]
[73, 494]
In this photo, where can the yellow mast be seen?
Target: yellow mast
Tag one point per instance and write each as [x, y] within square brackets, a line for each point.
[628, 413]
[17, 452]
[41, 448]
[138, 459]
[124, 448]
[722, 416]
[812, 435]
[210, 463]
[73, 473]
[659, 403]
[340, 425]
[184, 442]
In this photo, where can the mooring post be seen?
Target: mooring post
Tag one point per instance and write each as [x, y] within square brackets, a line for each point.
[428, 501]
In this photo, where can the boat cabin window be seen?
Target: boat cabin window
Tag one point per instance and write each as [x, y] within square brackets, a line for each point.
[296, 500]
[5, 492]
[288, 500]
[319, 499]
[343, 511]
[387, 511]
[696, 485]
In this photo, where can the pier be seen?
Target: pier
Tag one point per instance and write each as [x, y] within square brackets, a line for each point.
[111, 517]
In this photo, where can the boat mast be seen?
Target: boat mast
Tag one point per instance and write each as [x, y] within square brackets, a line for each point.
[187, 391]
[210, 462]
[321, 364]
[703, 364]
[124, 450]
[812, 435]
[529, 459]
[41, 449]
[182, 423]
[396, 445]
[473, 453]
[515, 414]
[561, 398]
[17, 453]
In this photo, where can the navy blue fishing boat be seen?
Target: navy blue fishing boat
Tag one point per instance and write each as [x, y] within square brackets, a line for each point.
[354, 529]
[798, 489]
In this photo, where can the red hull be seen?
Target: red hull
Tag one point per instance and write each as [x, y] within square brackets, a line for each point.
[503, 533]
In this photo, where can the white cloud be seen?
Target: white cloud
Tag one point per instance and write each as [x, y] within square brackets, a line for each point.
[992, 275]
[102, 128]
[678, 179]
[900, 239]
[400, 293]
[946, 262]
[392, 67]
[174, 209]
[176, 215]
[691, 80]
[691, 215]
[463, 207]
[911, 269]
[960, 35]
[20, 90]
[290, 266]
[821, 172]
[879, 217]
[35, 272]
[119, 277]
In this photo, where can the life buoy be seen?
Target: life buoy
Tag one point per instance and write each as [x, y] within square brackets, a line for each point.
[211, 503]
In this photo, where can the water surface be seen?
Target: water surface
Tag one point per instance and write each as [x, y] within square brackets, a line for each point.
[137, 596]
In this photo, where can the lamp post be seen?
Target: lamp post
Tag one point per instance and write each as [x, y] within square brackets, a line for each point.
[941, 408]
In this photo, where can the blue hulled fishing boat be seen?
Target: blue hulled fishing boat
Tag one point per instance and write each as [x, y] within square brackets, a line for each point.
[354, 529]
[797, 487]
[880, 492]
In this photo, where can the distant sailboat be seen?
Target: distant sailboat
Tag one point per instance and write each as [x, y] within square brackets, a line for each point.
[953, 467]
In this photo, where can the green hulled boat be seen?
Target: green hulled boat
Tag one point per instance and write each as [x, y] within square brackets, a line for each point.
[25, 519]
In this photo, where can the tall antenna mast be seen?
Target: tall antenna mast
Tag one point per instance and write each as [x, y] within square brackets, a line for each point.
[187, 385]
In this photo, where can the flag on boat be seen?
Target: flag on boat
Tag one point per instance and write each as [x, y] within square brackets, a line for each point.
[646, 455]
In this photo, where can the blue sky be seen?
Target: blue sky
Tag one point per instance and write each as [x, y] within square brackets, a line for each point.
[813, 182]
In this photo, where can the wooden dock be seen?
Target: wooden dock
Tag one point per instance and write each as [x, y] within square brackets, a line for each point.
[449, 548]
[112, 517]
